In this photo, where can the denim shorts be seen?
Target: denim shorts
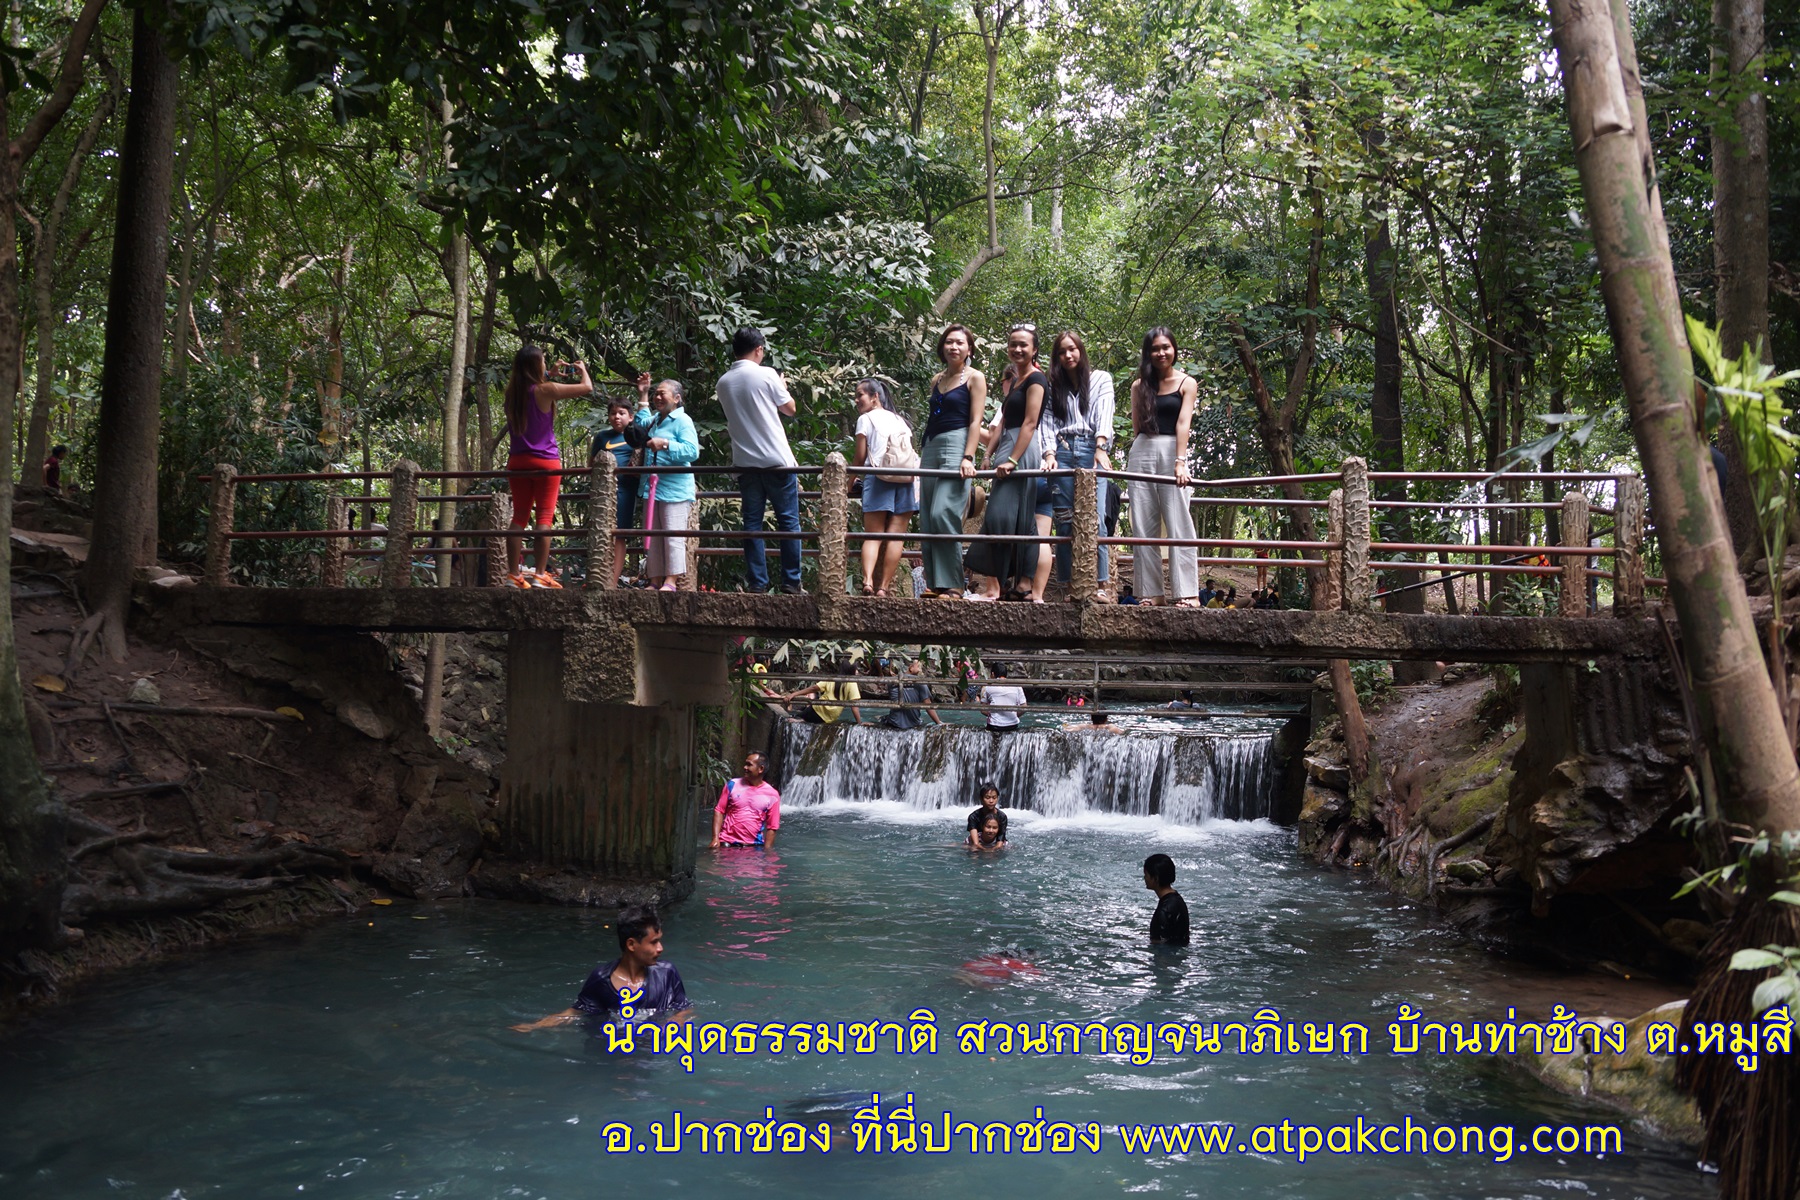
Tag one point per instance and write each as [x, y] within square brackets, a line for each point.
[878, 495]
[1046, 500]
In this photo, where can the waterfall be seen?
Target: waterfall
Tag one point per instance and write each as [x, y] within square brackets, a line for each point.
[1185, 777]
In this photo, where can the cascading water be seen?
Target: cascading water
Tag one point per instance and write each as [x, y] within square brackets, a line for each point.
[1184, 777]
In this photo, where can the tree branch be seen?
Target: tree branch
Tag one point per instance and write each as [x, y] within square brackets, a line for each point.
[68, 82]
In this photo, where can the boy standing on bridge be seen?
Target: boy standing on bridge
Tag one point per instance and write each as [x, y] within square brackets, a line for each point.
[1169, 926]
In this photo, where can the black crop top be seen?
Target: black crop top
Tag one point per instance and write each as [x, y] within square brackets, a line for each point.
[1012, 409]
[1166, 410]
[949, 411]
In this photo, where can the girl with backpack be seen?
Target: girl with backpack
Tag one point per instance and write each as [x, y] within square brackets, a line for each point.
[883, 439]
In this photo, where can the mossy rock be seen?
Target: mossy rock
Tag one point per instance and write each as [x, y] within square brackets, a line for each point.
[1638, 1082]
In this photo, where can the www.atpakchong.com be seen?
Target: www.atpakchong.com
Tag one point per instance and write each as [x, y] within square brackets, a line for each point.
[900, 1131]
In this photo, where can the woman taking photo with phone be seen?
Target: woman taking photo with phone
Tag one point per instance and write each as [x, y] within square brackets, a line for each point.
[958, 402]
[1162, 413]
[533, 455]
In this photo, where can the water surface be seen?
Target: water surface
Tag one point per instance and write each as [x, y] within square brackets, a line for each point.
[371, 1056]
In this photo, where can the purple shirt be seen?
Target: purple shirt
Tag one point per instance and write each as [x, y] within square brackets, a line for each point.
[539, 437]
[662, 993]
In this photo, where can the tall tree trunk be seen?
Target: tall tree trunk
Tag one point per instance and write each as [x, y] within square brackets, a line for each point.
[1740, 162]
[43, 280]
[32, 867]
[131, 378]
[1753, 1122]
[456, 271]
[484, 339]
[1739, 717]
[1276, 423]
[1388, 425]
[992, 27]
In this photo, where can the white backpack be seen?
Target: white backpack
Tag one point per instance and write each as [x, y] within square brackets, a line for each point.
[897, 452]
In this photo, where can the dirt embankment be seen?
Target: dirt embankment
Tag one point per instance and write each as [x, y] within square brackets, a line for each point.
[221, 783]
[1558, 853]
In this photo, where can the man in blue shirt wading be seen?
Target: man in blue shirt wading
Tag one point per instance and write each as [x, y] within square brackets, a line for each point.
[636, 986]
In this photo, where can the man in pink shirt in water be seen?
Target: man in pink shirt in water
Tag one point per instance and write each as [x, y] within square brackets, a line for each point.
[749, 809]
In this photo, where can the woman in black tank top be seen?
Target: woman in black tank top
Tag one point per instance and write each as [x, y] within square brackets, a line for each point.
[1012, 507]
[958, 403]
[1162, 414]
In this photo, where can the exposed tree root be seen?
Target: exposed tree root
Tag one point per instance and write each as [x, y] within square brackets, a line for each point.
[136, 878]
[1752, 1118]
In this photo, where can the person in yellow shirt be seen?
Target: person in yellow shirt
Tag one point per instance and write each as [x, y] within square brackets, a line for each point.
[827, 691]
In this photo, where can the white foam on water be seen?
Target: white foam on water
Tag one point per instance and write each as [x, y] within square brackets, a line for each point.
[1192, 778]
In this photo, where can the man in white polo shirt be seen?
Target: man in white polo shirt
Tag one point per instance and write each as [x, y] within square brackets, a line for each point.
[755, 398]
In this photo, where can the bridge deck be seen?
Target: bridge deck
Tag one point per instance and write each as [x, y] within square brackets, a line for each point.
[1093, 627]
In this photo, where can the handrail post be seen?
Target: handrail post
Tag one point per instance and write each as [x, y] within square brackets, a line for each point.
[403, 504]
[1084, 534]
[1573, 602]
[1332, 592]
[218, 529]
[331, 562]
[1359, 584]
[1629, 506]
[603, 519]
[834, 528]
[499, 507]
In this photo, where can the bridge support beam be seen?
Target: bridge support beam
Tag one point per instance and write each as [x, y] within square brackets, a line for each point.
[598, 787]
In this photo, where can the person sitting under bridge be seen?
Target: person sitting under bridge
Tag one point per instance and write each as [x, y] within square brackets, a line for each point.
[844, 693]
[1002, 697]
[1098, 722]
[634, 987]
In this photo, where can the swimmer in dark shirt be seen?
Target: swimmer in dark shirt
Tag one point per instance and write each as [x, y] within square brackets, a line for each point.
[990, 807]
[1169, 925]
[637, 980]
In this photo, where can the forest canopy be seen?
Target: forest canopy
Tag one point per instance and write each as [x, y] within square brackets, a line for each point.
[630, 182]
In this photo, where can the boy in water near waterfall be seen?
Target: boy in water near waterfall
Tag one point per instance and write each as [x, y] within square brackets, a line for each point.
[638, 980]
[1169, 926]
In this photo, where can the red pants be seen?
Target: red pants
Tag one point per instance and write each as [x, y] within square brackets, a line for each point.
[533, 495]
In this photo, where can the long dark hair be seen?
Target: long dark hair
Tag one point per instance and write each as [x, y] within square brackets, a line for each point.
[1065, 383]
[1147, 379]
[527, 373]
[878, 389]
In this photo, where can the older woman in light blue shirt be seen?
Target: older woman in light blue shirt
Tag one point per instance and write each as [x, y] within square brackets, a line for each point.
[673, 442]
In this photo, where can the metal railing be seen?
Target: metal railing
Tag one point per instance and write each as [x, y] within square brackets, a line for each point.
[1342, 563]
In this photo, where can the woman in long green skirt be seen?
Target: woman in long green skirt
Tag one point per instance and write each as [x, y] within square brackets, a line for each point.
[958, 403]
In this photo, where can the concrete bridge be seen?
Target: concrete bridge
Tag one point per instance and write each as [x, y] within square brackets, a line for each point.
[603, 682]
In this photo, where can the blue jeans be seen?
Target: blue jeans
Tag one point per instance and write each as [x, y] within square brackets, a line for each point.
[780, 490]
[1073, 451]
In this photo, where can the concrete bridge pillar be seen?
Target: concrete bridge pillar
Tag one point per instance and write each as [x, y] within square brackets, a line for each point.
[600, 786]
